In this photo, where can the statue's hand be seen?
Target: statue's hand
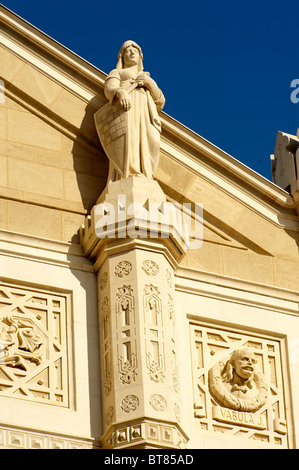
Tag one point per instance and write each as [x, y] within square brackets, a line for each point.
[124, 99]
[143, 79]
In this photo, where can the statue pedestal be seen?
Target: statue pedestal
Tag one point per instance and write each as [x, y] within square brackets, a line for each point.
[135, 263]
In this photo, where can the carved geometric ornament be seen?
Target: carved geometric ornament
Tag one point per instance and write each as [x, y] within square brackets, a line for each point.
[33, 345]
[238, 384]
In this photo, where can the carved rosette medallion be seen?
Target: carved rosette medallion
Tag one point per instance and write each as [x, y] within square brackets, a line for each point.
[129, 403]
[150, 267]
[158, 402]
[123, 268]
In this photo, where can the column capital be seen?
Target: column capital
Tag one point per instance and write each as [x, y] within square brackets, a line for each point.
[134, 213]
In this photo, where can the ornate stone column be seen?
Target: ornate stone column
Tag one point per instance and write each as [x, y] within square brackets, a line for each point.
[135, 263]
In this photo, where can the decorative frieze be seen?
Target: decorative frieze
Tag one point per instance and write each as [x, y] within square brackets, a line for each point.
[18, 438]
[145, 433]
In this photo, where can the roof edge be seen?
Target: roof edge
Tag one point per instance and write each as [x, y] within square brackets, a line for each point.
[182, 133]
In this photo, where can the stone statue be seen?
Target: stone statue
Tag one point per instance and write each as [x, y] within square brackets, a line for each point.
[129, 126]
[238, 383]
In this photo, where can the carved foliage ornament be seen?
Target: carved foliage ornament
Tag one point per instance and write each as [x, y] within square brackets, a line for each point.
[237, 382]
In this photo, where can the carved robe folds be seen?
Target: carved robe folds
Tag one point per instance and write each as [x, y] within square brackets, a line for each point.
[130, 139]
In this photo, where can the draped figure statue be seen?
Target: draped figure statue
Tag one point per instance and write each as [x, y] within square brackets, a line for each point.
[128, 125]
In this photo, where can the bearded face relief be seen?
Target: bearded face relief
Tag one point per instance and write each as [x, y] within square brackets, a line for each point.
[238, 383]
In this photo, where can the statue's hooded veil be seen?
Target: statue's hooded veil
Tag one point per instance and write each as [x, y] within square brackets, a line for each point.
[120, 64]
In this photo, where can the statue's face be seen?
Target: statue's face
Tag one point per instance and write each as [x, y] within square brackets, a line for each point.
[131, 56]
[245, 364]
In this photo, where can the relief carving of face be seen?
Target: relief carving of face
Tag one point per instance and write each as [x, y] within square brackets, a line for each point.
[238, 383]
[244, 363]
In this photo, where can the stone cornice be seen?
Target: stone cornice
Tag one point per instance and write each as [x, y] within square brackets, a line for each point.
[50, 45]
[42, 250]
[236, 290]
[230, 165]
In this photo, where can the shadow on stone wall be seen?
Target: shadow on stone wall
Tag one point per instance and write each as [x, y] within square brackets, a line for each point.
[91, 168]
[89, 159]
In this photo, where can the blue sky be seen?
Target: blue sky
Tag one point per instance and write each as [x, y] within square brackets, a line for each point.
[225, 67]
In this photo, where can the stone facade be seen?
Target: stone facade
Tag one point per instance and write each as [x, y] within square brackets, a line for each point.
[137, 342]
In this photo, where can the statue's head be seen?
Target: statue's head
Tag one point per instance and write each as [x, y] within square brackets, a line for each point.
[124, 51]
[242, 363]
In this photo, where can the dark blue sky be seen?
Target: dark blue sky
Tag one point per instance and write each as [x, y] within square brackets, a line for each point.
[225, 67]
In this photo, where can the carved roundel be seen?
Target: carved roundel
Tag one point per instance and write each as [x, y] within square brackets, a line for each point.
[123, 268]
[129, 403]
[150, 267]
[158, 402]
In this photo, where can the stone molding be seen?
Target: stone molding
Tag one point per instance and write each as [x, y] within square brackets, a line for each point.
[146, 433]
[20, 438]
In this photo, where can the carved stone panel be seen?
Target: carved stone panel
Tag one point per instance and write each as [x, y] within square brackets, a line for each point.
[125, 334]
[154, 327]
[33, 345]
[238, 384]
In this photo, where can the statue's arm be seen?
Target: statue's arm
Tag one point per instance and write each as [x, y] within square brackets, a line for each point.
[111, 85]
[143, 79]
[113, 91]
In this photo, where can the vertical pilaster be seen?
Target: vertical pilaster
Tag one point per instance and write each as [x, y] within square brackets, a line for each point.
[137, 326]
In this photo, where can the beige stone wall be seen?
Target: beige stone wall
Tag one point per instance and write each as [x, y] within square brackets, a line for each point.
[238, 241]
[52, 172]
[50, 401]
